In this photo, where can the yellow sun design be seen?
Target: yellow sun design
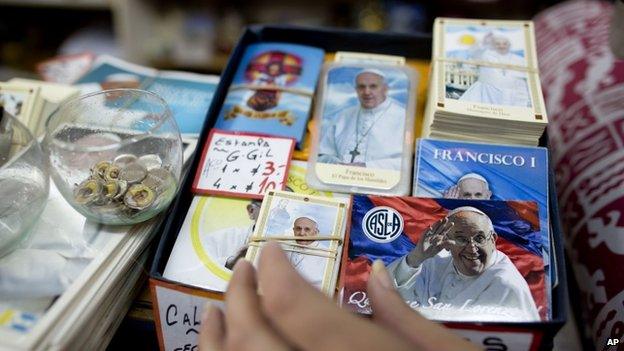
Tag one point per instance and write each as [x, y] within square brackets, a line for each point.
[467, 39]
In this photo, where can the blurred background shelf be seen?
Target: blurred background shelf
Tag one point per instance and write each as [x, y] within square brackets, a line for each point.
[198, 35]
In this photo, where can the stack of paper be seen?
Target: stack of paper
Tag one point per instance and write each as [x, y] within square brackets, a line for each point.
[484, 83]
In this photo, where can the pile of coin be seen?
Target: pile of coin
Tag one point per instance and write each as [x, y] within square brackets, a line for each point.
[126, 185]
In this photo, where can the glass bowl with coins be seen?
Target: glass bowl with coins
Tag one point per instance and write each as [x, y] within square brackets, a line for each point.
[115, 155]
[24, 182]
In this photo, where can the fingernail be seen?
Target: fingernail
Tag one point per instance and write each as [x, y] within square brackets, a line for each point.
[380, 274]
[208, 310]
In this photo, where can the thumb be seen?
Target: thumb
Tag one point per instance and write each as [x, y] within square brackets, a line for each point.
[391, 311]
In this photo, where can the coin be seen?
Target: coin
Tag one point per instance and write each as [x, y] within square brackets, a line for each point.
[151, 161]
[100, 168]
[139, 197]
[124, 160]
[110, 189]
[123, 186]
[158, 179]
[88, 192]
[132, 174]
[112, 173]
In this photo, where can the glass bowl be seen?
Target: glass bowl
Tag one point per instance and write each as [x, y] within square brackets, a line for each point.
[115, 155]
[24, 182]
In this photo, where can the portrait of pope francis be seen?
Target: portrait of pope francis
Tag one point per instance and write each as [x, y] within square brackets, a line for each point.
[456, 264]
[368, 133]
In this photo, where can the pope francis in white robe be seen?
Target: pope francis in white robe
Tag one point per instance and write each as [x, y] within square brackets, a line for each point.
[470, 280]
[498, 86]
[369, 134]
[311, 267]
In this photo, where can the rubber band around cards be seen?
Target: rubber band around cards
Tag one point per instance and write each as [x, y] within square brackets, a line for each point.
[301, 238]
[488, 64]
[302, 250]
[272, 87]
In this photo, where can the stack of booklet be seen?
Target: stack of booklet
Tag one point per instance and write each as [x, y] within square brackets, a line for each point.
[484, 83]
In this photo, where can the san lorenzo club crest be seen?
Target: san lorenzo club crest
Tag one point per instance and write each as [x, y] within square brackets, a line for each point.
[382, 224]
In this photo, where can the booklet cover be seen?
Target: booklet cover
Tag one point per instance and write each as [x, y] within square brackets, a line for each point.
[451, 260]
[272, 90]
[187, 94]
[459, 170]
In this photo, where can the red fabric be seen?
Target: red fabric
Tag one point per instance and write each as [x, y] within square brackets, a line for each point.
[583, 86]
[418, 213]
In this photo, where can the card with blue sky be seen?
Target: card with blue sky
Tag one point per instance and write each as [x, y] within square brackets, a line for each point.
[460, 170]
[364, 116]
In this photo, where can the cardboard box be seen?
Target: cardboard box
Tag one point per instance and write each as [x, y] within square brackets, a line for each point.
[177, 307]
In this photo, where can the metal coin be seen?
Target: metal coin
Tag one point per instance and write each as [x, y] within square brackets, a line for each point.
[151, 161]
[139, 197]
[112, 173]
[100, 168]
[110, 189]
[159, 179]
[123, 186]
[88, 192]
[124, 160]
[132, 174]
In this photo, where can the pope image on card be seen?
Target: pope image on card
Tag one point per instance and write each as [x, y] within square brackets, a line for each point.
[451, 260]
[272, 90]
[216, 232]
[363, 119]
[485, 83]
[310, 230]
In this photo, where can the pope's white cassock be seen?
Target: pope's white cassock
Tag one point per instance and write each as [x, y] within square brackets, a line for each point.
[499, 86]
[380, 130]
[311, 267]
[226, 242]
[437, 281]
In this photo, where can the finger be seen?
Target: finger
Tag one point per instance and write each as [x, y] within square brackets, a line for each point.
[304, 316]
[212, 329]
[246, 327]
[440, 225]
[391, 311]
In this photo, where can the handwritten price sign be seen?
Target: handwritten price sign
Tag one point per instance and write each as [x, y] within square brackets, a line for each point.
[242, 164]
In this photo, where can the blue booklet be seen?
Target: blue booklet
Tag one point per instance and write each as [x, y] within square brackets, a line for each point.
[460, 170]
[188, 94]
[272, 90]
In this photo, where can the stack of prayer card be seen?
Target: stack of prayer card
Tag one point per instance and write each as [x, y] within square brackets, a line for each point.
[484, 83]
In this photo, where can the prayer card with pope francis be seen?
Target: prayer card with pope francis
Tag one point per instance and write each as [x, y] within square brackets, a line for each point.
[451, 259]
[364, 139]
[311, 231]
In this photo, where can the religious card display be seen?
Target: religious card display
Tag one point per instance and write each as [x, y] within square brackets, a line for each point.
[310, 230]
[272, 90]
[450, 259]
[242, 164]
[364, 117]
[485, 83]
[216, 232]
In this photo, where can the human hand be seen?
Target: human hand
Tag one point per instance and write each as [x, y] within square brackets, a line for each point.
[433, 240]
[452, 192]
[291, 314]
